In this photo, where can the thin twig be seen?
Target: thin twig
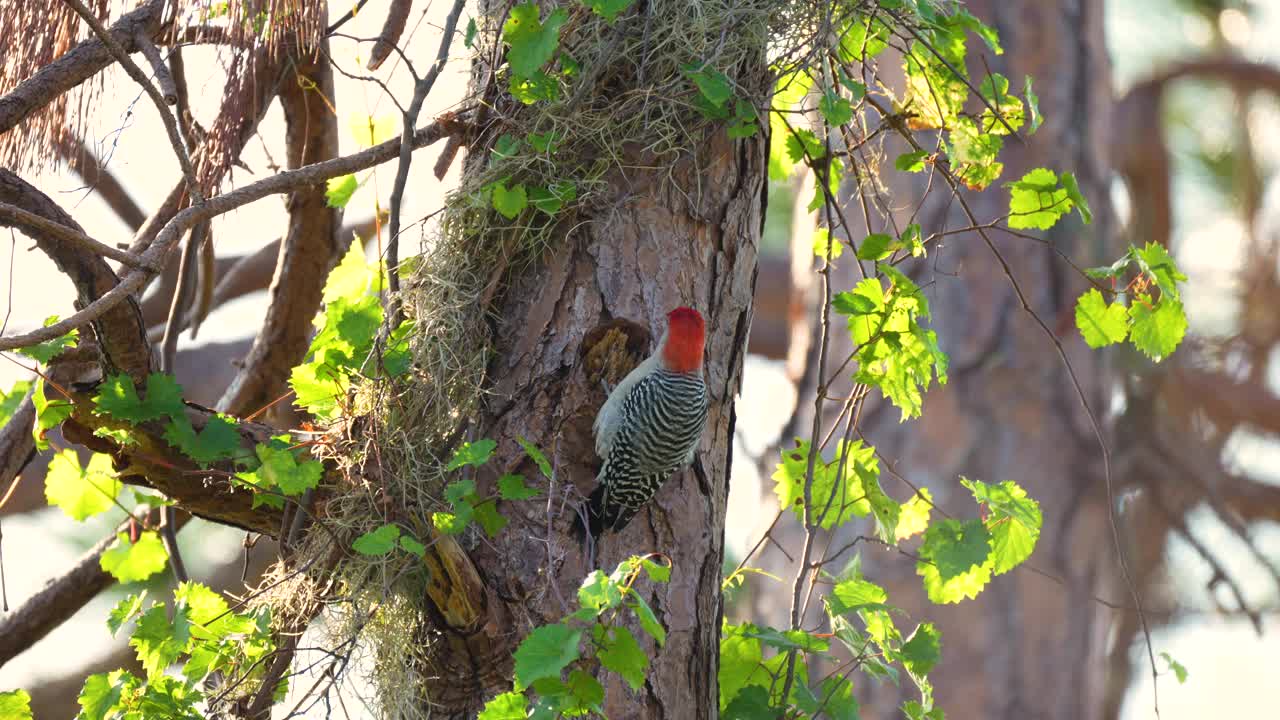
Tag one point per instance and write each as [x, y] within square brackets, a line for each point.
[22, 219]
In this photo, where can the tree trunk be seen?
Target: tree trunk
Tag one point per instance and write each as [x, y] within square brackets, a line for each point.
[663, 235]
[1029, 646]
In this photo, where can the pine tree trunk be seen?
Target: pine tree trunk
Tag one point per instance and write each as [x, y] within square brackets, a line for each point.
[662, 238]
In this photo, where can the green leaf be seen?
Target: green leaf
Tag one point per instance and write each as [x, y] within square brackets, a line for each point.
[544, 142]
[995, 90]
[835, 110]
[648, 620]
[608, 9]
[469, 40]
[507, 706]
[1014, 521]
[532, 41]
[1154, 261]
[413, 547]
[953, 560]
[451, 523]
[512, 487]
[10, 401]
[219, 439]
[963, 18]
[101, 694]
[81, 492]
[656, 572]
[1034, 118]
[973, 154]
[1037, 200]
[912, 161]
[50, 349]
[510, 202]
[474, 454]
[835, 700]
[352, 278]
[125, 611]
[456, 492]
[823, 243]
[1178, 670]
[49, 414]
[544, 653]
[740, 657]
[159, 641]
[134, 562]
[790, 640]
[338, 190]
[862, 37]
[874, 247]
[1101, 324]
[280, 470]
[1157, 330]
[536, 456]
[804, 145]
[378, 541]
[618, 651]
[753, 703]
[1073, 192]
[586, 691]
[914, 516]
[712, 84]
[856, 594]
[935, 94]
[922, 650]
[491, 521]
[539, 86]
[118, 399]
[599, 592]
[15, 705]
[836, 492]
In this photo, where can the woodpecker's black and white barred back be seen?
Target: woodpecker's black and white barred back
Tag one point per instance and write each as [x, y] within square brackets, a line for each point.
[650, 425]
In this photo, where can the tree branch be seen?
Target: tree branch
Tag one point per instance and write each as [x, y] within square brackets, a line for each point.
[310, 247]
[77, 65]
[30, 223]
[448, 124]
[57, 601]
[117, 324]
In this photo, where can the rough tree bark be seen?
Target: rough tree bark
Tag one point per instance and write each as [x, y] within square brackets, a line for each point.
[661, 237]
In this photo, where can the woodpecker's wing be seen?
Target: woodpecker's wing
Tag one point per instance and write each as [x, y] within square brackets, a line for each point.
[609, 418]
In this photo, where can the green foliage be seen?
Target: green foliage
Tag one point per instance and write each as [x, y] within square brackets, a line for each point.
[118, 399]
[219, 439]
[134, 561]
[345, 345]
[1154, 321]
[81, 492]
[547, 651]
[338, 191]
[199, 627]
[9, 401]
[1038, 200]
[894, 352]
[50, 349]
[15, 705]
[49, 414]
[1175, 667]
[279, 473]
[608, 9]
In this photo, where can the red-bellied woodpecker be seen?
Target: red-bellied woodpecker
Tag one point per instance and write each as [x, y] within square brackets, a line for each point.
[650, 425]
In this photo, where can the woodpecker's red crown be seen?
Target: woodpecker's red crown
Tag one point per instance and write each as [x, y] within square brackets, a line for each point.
[686, 335]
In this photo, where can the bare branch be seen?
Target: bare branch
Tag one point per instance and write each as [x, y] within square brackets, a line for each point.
[391, 31]
[117, 322]
[289, 180]
[85, 163]
[13, 216]
[170, 125]
[168, 89]
[420, 91]
[54, 604]
[310, 249]
[77, 65]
